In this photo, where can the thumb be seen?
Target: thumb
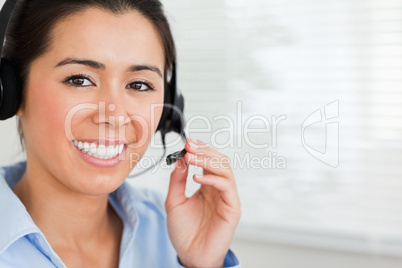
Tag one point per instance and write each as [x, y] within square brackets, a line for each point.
[177, 185]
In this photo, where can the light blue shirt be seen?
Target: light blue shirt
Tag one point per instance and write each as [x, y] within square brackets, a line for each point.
[145, 241]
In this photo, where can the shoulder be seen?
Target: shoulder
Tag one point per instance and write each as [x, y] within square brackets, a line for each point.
[12, 173]
[150, 199]
[144, 201]
[148, 195]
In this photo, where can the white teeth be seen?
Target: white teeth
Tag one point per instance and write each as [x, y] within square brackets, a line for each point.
[101, 151]
[93, 148]
[86, 147]
[110, 151]
[121, 146]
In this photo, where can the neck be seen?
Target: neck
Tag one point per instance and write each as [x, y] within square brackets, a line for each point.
[56, 210]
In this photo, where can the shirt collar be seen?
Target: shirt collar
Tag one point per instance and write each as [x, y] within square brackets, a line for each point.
[15, 221]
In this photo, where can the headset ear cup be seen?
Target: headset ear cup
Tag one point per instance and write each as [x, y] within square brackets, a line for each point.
[177, 120]
[12, 89]
[172, 115]
[162, 126]
[172, 118]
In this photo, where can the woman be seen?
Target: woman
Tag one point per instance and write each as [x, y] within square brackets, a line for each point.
[68, 204]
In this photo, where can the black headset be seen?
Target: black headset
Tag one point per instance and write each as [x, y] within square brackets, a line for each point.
[11, 86]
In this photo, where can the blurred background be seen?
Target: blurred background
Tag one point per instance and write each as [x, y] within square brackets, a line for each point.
[318, 84]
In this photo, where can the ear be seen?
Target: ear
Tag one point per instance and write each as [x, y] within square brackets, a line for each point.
[20, 113]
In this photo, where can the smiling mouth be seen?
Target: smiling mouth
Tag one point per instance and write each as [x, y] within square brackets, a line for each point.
[99, 151]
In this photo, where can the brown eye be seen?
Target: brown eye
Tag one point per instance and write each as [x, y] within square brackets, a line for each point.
[78, 81]
[137, 86]
[140, 86]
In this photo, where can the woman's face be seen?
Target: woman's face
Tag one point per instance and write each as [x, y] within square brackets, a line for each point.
[98, 84]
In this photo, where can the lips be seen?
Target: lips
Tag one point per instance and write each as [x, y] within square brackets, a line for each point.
[104, 142]
[99, 151]
[100, 155]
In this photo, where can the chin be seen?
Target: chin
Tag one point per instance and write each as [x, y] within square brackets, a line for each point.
[99, 184]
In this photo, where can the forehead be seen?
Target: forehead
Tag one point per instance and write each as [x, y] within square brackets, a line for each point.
[112, 38]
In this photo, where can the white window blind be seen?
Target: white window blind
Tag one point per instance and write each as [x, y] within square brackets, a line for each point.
[290, 58]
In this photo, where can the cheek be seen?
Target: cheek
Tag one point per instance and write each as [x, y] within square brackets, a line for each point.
[156, 113]
[149, 109]
[145, 117]
[48, 107]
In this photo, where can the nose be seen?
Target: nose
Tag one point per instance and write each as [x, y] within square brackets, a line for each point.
[116, 116]
[110, 114]
[111, 109]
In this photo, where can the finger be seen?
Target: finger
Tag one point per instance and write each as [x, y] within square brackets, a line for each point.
[196, 146]
[218, 165]
[177, 185]
[225, 187]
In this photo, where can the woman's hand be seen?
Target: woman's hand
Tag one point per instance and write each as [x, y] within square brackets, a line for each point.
[201, 227]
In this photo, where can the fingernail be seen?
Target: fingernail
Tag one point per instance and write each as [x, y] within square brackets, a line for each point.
[198, 176]
[179, 164]
[193, 144]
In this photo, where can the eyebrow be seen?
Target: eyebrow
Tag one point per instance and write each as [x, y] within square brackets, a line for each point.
[101, 66]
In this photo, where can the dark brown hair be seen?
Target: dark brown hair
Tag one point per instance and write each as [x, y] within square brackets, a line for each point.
[29, 33]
